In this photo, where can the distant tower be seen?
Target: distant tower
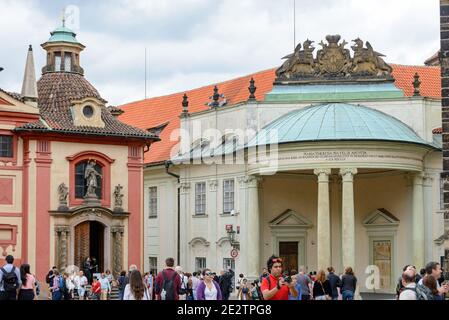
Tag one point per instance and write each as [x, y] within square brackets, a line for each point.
[63, 51]
[29, 85]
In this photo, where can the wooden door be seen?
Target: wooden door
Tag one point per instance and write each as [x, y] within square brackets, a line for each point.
[82, 243]
[288, 251]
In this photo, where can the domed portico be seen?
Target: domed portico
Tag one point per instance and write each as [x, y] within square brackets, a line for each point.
[335, 143]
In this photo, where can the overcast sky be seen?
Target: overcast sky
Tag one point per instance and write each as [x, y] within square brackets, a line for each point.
[192, 43]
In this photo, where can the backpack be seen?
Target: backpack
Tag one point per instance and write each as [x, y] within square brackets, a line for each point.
[422, 292]
[183, 289]
[62, 285]
[10, 281]
[168, 290]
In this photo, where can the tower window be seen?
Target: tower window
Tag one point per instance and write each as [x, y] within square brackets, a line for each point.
[58, 61]
[67, 62]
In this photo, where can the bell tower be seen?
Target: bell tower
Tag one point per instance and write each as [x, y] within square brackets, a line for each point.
[63, 51]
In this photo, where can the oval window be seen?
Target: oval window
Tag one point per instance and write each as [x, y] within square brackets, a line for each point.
[88, 111]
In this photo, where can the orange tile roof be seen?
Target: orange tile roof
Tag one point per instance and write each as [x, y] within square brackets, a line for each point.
[155, 111]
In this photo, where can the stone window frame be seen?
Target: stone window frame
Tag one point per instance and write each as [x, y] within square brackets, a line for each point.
[102, 160]
[153, 201]
[12, 159]
[5, 243]
[200, 263]
[152, 265]
[228, 196]
[200, 198]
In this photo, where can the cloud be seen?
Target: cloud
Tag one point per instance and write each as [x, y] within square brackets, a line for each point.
[197, 42]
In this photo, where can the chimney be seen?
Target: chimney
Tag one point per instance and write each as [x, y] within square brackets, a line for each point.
[29, 86]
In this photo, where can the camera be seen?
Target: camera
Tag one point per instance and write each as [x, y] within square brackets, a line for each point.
[288, 279]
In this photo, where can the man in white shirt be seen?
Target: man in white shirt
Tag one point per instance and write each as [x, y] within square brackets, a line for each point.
[408, 281]
[80, 284]
[184, 282]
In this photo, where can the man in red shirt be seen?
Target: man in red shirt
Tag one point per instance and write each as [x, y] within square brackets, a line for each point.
[276, 288]
[172, 279]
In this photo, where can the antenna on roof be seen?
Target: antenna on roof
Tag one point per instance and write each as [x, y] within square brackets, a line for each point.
[294, 25]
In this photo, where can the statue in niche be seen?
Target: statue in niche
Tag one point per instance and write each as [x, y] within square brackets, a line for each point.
[91, 174]
[63, 192]
[118, 198]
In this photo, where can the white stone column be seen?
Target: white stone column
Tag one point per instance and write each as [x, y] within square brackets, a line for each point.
[323, 220]
[418, 221]
[348, 217]
[253, 228]
[184, 230]
[211, 209]
[428, 217]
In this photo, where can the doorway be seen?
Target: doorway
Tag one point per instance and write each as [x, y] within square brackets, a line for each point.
[89, 242]
[288, 252]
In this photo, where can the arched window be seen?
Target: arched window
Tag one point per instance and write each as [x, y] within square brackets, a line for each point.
[81, 182]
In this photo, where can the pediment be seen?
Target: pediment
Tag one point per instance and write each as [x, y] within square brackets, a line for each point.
[381, 217]
[290, 218]
[10, 104]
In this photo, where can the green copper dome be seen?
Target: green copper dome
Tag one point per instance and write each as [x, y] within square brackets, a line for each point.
[336, 122]
[63, 34]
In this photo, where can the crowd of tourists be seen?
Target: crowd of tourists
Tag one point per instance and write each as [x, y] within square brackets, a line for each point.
[172, 283]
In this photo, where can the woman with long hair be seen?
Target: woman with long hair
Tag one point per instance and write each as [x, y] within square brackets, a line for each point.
[348, 284]
[321, 287]
[208, 289]
[136, 288]
[244, 292]
[28, 289]
[431, 283]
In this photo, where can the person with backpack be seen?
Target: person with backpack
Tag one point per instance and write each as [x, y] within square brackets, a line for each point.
[184, 281]
[408, 291]
[10, 280]
[208, 289]
[168, 282]
[49, 280]
[57, 286]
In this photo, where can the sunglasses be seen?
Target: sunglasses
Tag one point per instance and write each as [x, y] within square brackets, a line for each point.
[277, 260]
[208, 274]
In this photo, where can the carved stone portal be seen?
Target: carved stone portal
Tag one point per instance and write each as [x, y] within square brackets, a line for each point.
[62, 235]
[117, 257]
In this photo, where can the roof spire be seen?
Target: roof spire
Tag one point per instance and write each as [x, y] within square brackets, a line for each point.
[29, 86]
[63, 17]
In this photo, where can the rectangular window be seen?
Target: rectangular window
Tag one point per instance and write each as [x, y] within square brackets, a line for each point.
[200, 264]
[6, 144]
[228, 263]
[153, 202]
[58, 61]
[200, 198]
[228, 196]
[153, 265]
[68, 62]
